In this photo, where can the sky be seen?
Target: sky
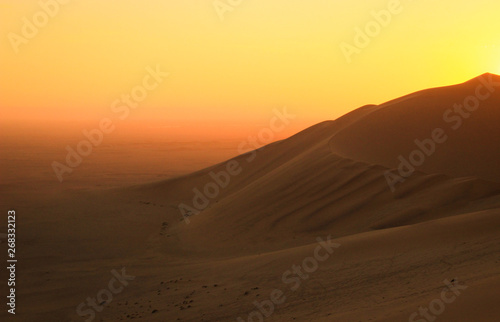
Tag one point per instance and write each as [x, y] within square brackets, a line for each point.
[222, 67]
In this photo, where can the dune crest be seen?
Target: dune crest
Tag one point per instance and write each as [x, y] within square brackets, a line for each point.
[473, 135]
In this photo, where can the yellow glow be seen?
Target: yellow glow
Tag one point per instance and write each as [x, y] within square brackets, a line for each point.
[264, 55]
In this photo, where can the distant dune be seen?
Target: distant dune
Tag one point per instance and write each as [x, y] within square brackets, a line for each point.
[263, 212]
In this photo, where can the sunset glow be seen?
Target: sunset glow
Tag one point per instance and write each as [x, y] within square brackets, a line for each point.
[262, 55]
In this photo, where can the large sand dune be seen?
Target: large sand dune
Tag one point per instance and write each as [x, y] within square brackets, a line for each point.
[394, 247]
[391, 129]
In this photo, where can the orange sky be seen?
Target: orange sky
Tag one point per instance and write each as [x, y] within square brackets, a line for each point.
[227, 75]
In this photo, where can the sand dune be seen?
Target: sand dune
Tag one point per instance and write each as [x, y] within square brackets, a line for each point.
[391, 129]
[395, 247]
[330, 178]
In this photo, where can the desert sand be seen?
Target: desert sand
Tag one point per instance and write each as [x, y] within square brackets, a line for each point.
[394, 248]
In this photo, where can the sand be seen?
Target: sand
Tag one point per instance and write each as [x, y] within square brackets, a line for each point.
[395, 250]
